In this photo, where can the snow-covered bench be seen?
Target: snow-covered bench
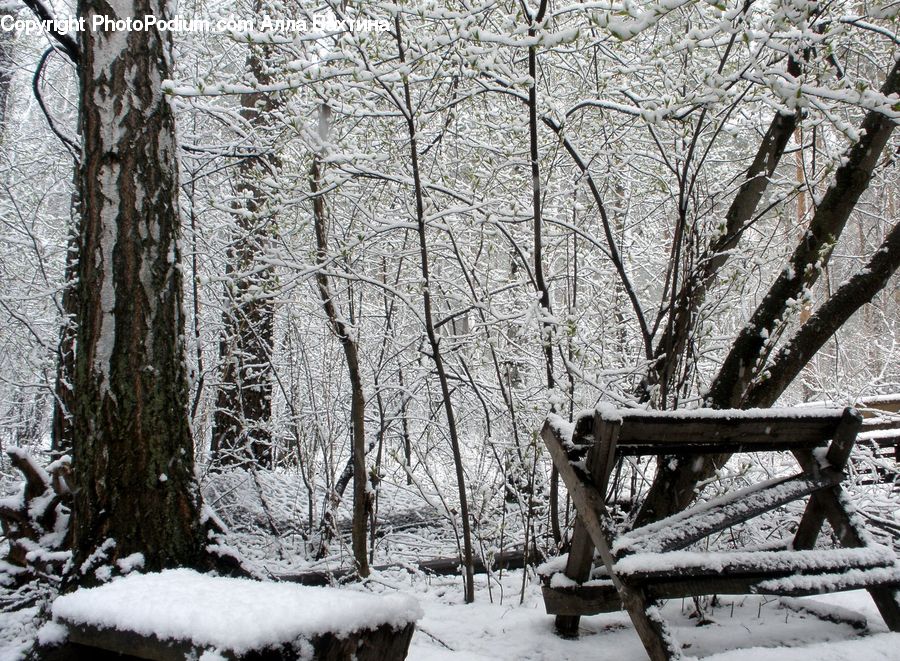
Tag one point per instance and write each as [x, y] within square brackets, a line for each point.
[651, 563]
[181, 614]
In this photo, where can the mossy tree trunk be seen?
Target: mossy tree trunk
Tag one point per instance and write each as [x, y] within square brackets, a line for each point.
[133, 452]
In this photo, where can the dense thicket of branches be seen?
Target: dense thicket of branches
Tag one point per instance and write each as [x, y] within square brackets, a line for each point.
[528, 207]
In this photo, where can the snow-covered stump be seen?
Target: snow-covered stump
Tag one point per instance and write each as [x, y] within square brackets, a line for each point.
[181, 614]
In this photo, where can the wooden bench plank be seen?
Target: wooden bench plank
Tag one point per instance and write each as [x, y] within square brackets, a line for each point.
[683, 529]
[853, 579]
[600, 596]
[574, 601]
[649, 567]
[667, 432]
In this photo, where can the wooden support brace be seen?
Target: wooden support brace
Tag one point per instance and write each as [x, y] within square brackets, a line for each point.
[683, 529]
[836, 457]
[830, 504]
[581, 551]
[850, 534]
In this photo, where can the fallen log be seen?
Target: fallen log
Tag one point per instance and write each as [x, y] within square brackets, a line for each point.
[512, 559]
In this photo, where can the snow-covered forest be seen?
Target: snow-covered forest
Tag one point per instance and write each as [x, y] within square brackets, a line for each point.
[289, 289]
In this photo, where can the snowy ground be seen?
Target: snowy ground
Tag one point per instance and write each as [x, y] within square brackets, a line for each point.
[508, 621]
[743, 628]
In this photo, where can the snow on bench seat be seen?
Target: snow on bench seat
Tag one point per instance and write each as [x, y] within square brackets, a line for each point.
[852, 579]
[562, 596]
[687, 527]
[686, 573]
[648, 566]
[186, 612]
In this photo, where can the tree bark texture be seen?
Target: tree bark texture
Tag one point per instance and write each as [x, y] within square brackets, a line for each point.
[824, 322]
[241, 434]
[6, 71]
[133, 452]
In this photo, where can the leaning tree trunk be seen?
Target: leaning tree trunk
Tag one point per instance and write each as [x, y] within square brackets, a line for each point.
[241, 434]
[133, 453]
[675, 484]
[825, 322]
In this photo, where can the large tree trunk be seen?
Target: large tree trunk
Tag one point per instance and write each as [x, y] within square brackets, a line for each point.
[133, 452]
[241, 434]
[674, 486]
[809, 257]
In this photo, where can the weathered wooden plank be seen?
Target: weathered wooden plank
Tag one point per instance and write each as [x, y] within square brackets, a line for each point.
[580, 600]
[837, 456]
[880, 424]
[581, 552]
[844, 438]
[603, 455]
[578, 568]
[588, 501]
[886, 403]
[639, 577]
[591, 506]
[683, 529]
[853, 579]
[376, 644]
[601, 597]
[851, 533]
[649, 624]
[659, 643]
[645, 568]
[652, 432]
[130, 643]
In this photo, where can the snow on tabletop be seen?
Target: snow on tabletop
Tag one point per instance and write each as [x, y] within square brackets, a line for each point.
[564, 430]
[734, 414]
[609, 412]
[553, 565]
[230, 613]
